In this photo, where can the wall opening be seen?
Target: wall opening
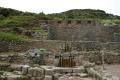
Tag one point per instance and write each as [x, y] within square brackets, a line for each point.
[59, 22]
[78, 22]
[69, 22]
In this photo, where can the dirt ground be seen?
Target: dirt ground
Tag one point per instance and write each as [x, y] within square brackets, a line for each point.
[114, 69]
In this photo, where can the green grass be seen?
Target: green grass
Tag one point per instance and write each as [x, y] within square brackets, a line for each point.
[40, 30]
[17, 21]
[108, 22]
[12, 37]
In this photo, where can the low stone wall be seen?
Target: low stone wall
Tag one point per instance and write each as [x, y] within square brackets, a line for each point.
[7, 46]
[47, 44]
[55, 45]
[96, 57]
[112, 46]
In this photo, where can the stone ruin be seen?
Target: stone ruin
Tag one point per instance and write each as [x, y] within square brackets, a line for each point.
[42, 64]
[82, 30]
[81, 50]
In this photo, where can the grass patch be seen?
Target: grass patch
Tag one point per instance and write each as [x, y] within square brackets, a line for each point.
[108, 22]
[12, 37]
[17, 21]
[40, 30]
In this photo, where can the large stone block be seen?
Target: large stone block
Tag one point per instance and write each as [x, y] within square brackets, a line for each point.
[25, 69]
[35, 72]
[13, 77]
[79, 69]
[39, 78]
[63, 70]
[49, 72]
[48, 78]
[36, 78]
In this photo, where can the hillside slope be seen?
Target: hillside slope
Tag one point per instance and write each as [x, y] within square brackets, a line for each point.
[6, 12]
[26, 23]
[83, 14]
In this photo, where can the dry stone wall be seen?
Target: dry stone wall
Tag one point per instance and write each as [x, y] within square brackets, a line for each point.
[55, 45]
[74, 30]
[11, 46]
[85, 30]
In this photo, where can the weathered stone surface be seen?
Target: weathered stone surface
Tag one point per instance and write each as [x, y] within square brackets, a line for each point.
[83, 75]
[36, 78]
[13, 77]
[74, 78]
[48, 78]
[87, 64]
[57, 75]
[115, 78]
[16, 67]
[64, 77]
[35, 72]
[79, 69]
[25, 69]
[63, 70]
[39, 78]
[32, 78]
[49, 72]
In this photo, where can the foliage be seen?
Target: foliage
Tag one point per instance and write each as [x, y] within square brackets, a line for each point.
[6, 12]
[83, 14]
[40, 30]
[16, 21]
[14, 18]
[11, 37]
[43, 16]
[108, 22]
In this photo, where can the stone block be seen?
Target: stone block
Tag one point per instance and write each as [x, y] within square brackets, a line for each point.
[83, 75]
[25, 69]
[36, 78]
[35, 72]
[63, 70]
[48, 78]
[32, 78]
[79, 69]
[64, 77]
[57, 75]
[11, 78]
[49, 72]
[39, 78]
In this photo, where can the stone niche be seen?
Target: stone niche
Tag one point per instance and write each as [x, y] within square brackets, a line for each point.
[66, 60]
